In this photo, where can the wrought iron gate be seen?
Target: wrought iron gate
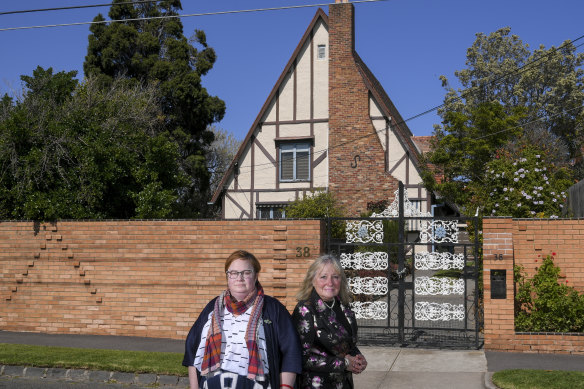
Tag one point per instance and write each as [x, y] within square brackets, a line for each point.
[414, 277]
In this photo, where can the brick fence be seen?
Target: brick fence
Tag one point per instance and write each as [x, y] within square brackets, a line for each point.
[138, 278]
[152, 278]
[508, 242]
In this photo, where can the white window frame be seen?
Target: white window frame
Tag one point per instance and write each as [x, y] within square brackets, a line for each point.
[321, 51]
[294, 148]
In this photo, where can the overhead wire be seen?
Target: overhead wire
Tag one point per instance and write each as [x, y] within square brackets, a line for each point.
[458, 98]
[269, 164]
[527, 66]
[75, 7]
[178, 16]
[518, 71]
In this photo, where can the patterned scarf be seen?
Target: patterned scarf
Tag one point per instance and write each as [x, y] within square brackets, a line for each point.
[212, 356]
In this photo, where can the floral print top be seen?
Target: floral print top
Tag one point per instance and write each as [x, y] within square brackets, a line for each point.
[326, 336]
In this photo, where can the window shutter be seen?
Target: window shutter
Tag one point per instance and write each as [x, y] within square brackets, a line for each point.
[302, 165]
[287, 166]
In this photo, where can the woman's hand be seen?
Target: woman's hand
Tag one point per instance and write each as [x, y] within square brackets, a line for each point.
[193, 383]
[356, 364]
[361, 362]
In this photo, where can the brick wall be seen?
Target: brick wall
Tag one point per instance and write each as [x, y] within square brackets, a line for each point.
[526, 242]
[351, 132]
[152, 278]
[138, 278]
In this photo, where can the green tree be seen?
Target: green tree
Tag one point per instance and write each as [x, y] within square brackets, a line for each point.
[548, 83]
[77, 150]
[508, 95]
[523, 184]
[465, 145]
[155, 51]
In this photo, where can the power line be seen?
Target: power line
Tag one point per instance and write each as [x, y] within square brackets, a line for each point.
[182, 16]
[527, 123]
[520, 70]
[75, 7]
[463, 93]
[458, 98]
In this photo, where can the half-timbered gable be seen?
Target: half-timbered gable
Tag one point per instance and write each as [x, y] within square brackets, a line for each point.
[327, 125]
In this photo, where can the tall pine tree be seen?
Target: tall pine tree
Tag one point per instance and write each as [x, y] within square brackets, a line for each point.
[145, 44]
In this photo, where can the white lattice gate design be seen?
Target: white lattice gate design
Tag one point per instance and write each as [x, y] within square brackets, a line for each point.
[418, 291]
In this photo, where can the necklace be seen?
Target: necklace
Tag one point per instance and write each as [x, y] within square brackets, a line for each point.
[329, 306]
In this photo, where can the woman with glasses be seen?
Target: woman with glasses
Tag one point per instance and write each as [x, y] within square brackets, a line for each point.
[327, 328]
[243, 339]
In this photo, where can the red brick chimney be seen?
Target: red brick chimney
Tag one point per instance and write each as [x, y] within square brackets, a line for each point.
[356, 157]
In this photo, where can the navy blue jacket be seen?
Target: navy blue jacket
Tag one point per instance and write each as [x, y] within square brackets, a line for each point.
[282, 342]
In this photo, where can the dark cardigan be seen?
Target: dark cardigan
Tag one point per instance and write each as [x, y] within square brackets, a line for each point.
[327, 336]
[282, 342]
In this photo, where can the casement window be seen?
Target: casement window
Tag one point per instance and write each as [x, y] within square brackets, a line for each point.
[270, 211]
[294, 162]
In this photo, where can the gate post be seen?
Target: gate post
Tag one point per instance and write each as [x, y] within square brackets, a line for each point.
[401, 265]
[499, 313]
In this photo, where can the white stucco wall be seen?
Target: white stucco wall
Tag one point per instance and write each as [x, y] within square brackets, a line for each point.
[320, 74]
[293, 103]
[286, 99]
[303, 92]
[265, 176]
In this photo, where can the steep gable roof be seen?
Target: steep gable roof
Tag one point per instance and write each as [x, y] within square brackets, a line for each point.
[373, 85]
[319, 16]
[388, 109]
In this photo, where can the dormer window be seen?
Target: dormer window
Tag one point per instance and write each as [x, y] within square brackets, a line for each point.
[321, 52]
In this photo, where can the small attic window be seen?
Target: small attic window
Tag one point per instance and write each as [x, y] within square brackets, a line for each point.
[321, 52]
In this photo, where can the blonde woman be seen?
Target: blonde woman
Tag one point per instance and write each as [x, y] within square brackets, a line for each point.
[243, 339]
[327, 328]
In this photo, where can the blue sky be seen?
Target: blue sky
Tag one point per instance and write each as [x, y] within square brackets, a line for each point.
[407, 44]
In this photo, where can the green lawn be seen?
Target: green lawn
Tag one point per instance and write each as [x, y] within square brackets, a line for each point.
[538, 379]
[170, 364]
[80, 358]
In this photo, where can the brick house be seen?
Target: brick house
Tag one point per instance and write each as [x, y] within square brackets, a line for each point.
[327, 125]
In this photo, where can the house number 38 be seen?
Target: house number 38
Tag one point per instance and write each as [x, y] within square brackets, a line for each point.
[303, 251]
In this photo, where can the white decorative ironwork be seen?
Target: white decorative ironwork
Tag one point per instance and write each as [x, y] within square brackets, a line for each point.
[438, 286]
[364, 231]
[438, 261]
[376, 310]
[368, 285]
[439, 231]
[410, 210]
[365, 261]
[435, 311]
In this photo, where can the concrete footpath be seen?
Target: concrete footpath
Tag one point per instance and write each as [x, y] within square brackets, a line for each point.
[388, 367]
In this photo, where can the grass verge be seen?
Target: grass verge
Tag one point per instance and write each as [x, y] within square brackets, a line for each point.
[92, 359]
[538, 379]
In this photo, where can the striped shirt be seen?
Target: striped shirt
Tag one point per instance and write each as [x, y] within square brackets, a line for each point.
[234, 352]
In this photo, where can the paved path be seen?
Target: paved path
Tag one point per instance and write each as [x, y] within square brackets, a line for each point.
[415, 368]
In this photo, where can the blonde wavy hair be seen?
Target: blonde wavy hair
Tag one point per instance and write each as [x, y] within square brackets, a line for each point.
[307, 286]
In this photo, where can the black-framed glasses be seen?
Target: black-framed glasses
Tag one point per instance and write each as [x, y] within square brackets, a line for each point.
[232, 274]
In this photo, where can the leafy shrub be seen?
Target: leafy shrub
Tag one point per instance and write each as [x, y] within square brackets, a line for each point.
[318, 205]
[543, 304]
[526, 185]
